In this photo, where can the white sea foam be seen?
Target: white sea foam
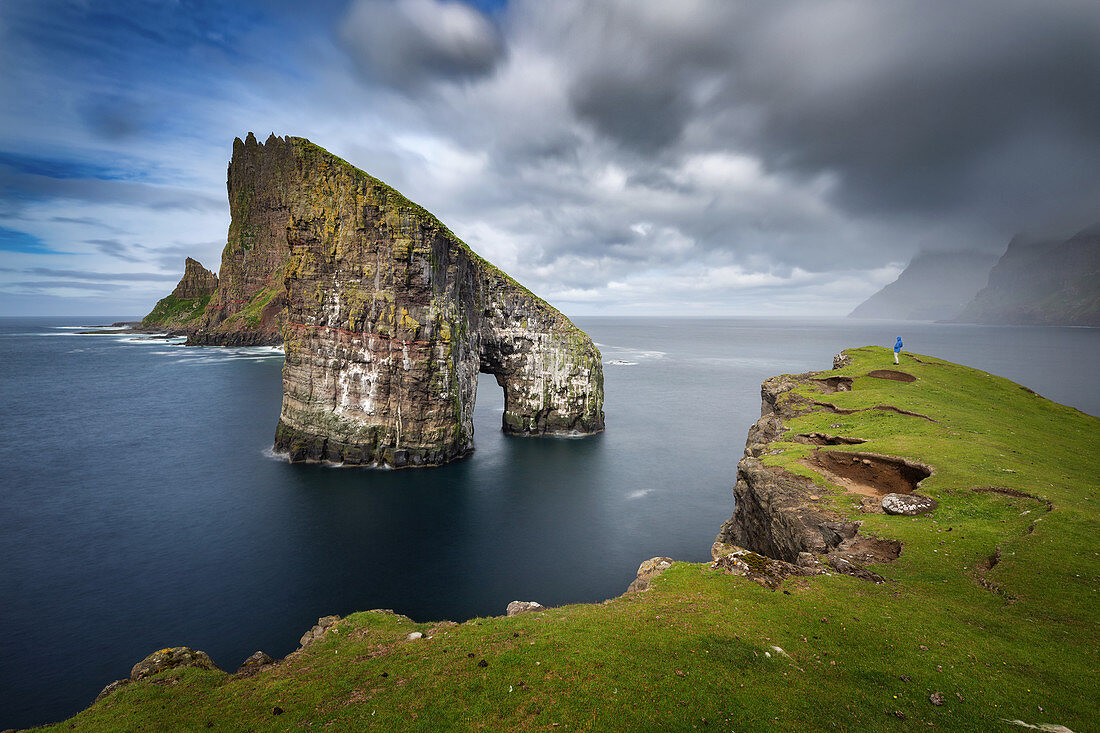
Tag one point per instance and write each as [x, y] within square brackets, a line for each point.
[620, 362]
[275, 455]
[638, 494]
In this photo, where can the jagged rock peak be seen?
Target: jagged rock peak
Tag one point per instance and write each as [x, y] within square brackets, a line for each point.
[387, 317]
[196, 282]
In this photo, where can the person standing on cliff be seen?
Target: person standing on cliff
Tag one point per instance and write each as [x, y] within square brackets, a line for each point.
[897, 349]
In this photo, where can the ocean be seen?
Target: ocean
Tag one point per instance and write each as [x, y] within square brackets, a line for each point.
[140, 506]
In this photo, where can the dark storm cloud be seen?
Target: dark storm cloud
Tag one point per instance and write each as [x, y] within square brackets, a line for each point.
[404, 43]
[973, 109]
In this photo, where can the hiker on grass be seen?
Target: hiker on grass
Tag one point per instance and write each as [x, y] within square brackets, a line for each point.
[897, 349]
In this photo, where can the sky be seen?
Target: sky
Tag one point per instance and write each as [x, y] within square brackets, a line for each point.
[631, 157]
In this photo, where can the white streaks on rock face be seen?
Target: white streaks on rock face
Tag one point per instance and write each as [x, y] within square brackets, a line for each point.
[390, 319]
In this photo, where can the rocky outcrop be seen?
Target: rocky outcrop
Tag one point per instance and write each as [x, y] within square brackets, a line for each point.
[932, 287]
[647, 571]
[774, 516]
[779, 525]
[515, 608]
[323, 625]
[161, 661]
[389, 318]
[1044, 283]
[183, 308]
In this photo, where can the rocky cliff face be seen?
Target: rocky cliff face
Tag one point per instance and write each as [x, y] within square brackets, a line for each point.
[248, 307]
[776, 513]
[934, 286]
[1048, 283]
[387, 317]
[183, 308]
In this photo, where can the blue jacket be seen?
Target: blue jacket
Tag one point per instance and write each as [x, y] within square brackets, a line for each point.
[898, 345]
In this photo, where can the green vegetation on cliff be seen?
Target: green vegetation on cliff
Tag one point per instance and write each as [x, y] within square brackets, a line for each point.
[991, 609]
[172, 312]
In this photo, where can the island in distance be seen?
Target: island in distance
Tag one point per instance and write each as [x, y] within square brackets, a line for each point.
[385, 315]
[1044, 282]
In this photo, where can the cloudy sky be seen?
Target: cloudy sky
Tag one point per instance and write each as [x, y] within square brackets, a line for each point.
[617, 156]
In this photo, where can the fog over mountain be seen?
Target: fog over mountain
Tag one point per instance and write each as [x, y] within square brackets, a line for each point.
[616, 156]
[934, 286]
[1052, 282]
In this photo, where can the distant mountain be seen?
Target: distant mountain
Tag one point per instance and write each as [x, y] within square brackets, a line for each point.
[1046, 283]
[934, 286]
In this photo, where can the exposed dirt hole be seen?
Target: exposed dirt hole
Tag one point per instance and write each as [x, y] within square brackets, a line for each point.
[829, 385]
[870, 550]
[892, 374]
[869, 474]
[826, 439]
[889, 408]
[1013, 492]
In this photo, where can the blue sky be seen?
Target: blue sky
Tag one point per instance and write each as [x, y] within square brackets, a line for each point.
[618, 156]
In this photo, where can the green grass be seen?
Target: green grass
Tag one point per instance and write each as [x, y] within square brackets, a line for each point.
[693, 651]
[173, 312]
[252, 311]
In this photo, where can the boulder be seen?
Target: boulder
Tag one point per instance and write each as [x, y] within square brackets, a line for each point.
[517, 607]
[908, 505]
[766, 571]
[254, 664]
[647, 571]
[323, 624]
[170, 658]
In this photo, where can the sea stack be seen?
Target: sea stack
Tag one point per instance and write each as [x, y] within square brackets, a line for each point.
[387, 317]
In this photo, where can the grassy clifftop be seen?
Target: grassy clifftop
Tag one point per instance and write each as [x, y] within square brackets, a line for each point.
[992, 609]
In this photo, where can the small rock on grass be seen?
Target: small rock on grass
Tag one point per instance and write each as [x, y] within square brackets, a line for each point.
[908, 505]
[936, 698]
[414, 636]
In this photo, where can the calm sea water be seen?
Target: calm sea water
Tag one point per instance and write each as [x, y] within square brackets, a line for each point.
[138, 508]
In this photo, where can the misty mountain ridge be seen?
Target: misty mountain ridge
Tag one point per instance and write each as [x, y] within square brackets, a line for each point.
[1046, 283]
[934, 286]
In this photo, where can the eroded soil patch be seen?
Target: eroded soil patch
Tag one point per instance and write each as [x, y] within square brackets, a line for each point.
[826, 439]
[1013, 492]
[830, 407]
[868, 474]
[891, 374]
[829, 385]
